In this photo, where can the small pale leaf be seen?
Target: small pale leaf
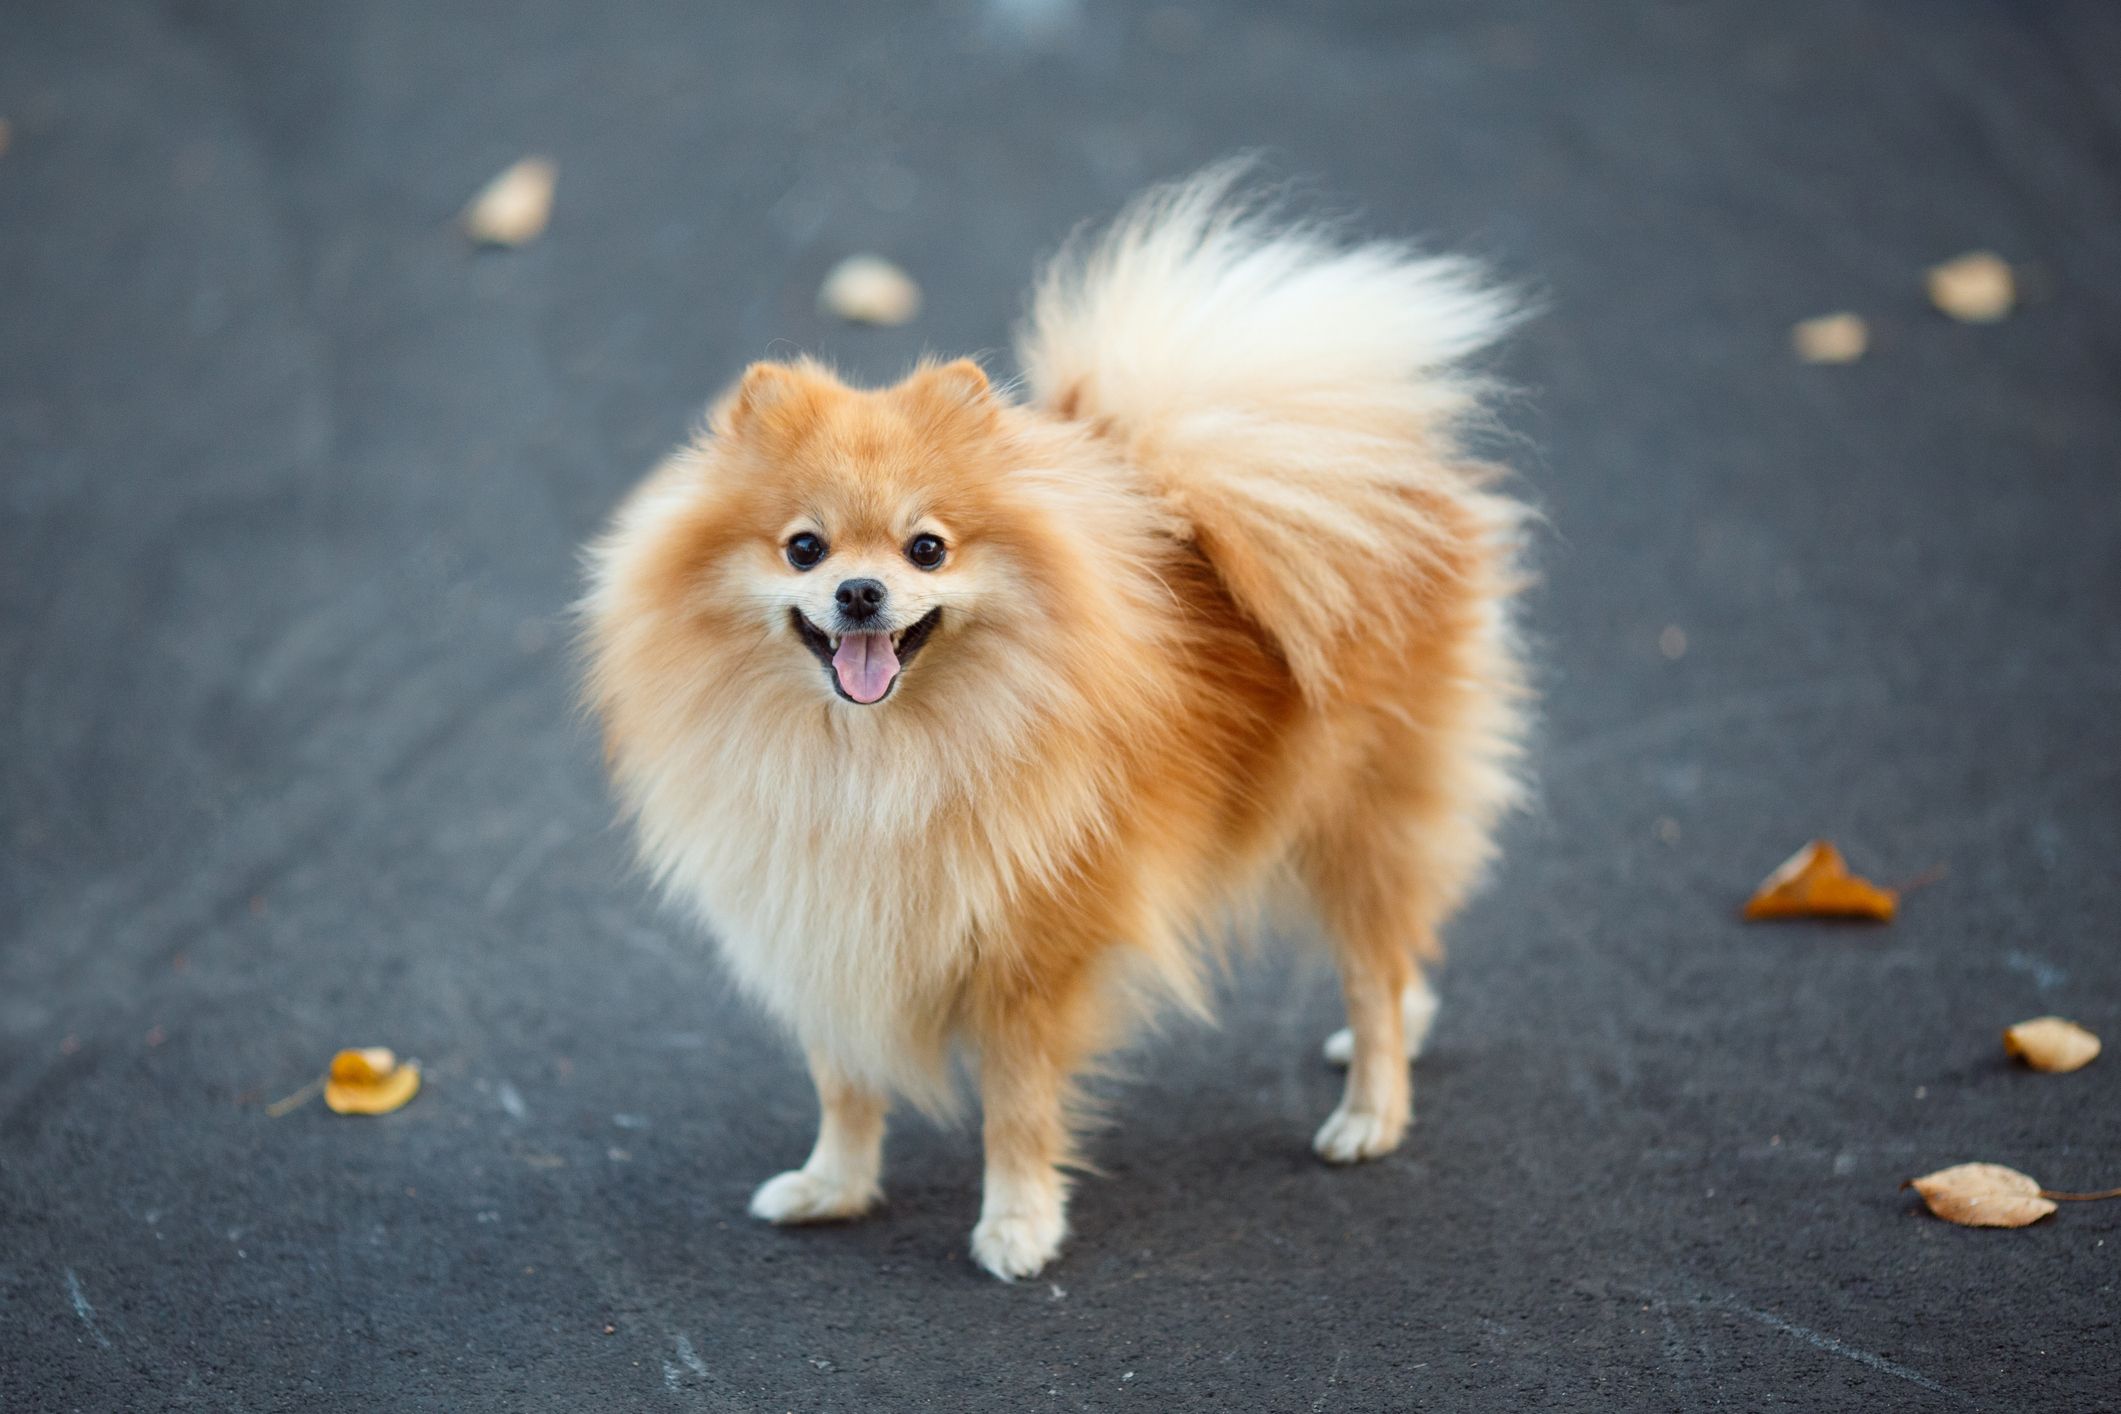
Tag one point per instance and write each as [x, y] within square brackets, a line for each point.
[1975, 288]
[1982, 1195]
[2049, 1043]
[1831, 338]
[867, 289]
[513, 208]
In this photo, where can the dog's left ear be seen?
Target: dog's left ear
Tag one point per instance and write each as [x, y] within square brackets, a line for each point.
[764, 388]
[957, 388]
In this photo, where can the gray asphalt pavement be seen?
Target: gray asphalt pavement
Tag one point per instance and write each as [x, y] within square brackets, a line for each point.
[291, 486]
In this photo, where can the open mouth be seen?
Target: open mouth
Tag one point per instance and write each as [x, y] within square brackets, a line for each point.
[864, 667]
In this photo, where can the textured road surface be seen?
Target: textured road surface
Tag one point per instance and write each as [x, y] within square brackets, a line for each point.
[293, 484]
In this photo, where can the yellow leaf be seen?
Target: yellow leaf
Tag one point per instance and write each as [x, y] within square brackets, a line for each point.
[1975, 288]
[2049, 1043]
[867, 289]
[1982, 1195]
[1831, 338]
[370, 1081]
[1815, 882]
[513, 208]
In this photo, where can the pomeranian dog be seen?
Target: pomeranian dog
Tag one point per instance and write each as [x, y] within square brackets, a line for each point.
[967, 719]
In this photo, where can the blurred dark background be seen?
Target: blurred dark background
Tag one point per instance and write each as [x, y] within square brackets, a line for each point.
[294, 481]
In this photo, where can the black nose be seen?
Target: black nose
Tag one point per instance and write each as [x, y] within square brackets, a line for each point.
[859, 599]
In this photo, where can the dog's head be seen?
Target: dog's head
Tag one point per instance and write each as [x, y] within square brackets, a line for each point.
[865, 530]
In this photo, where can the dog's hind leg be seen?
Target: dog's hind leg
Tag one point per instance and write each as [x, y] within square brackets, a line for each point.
[1378, 892]
[840, 1179]
[1378, 1103]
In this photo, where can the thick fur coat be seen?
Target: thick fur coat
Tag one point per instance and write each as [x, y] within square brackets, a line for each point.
[965, 720]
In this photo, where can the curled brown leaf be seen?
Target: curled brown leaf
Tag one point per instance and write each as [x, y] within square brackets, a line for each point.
[370, 1081]
[1815, 882]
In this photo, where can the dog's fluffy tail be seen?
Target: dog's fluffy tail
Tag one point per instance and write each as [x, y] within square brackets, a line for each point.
[1297, 399]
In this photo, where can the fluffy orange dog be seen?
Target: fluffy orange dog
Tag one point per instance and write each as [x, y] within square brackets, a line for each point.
[966, 720]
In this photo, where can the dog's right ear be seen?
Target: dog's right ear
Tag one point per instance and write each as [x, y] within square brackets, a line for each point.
[764, 388]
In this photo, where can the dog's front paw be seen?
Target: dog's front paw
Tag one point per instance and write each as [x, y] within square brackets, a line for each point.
[1350, 1136]
[800, 1196]
[1012, 1245]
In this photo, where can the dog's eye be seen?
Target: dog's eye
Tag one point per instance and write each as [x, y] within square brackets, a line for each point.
[805, 550]
[926, 551]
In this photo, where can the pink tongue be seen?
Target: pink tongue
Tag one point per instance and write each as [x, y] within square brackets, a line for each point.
[866, 665]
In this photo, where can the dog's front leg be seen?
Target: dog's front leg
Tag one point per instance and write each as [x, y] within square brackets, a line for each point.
[1026, 1059]
[840, 1179]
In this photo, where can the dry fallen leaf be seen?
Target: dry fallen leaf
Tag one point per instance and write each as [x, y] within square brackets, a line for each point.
[7, 136]
[2049, 1043]
[1831, 338]
[1982, 1195]
[1815, 882]
[867, 289]
[1990, 1195]
[513, 208]
[370, 1081]
[1975, 288]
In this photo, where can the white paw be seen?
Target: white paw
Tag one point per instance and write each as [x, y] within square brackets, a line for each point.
[799, 1196]
[1012, 1245]
[1350, 1136]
